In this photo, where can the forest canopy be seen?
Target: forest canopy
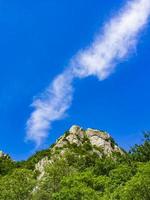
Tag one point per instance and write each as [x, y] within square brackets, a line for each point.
[79, 175]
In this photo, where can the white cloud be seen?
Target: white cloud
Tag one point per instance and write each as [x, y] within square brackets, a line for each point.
[118, 37]
[112, 45]
[50, 106]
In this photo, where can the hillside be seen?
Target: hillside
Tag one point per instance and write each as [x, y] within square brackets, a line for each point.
[81, 165]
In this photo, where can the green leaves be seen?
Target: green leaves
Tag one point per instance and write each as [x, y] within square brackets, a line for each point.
[82, 175]
[79, 173]
[51, 182]
[138, 188]
[6, 165]
[142, 152]
[17, 186]
[78, 186]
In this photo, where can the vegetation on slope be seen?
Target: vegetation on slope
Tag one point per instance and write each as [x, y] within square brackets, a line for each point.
[80, 174]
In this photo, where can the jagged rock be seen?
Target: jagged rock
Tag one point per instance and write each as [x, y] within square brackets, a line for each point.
[96, 137]
[100, 141]
[94, 132]
[75, 129]
[40, 166]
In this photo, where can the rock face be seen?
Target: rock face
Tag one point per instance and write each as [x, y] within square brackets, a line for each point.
[97, 138]
[40, 166]
[100, 142]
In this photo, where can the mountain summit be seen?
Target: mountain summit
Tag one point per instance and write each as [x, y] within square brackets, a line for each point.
[80, 142]
[97, 139]
[81, 165]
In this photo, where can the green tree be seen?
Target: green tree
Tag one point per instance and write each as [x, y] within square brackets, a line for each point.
[30, 162]
[142, 152]
[6, 164]
[120, 175]
[138, 188]
[79, 192]
[17, 186]
[103, 166]
[50, 183]
[79, 186]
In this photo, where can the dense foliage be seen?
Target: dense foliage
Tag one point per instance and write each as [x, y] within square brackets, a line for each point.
[80, 174]
[6, 165]
[30, 163]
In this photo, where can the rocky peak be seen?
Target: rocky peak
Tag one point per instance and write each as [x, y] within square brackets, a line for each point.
[97, 138]
[75, 129]
[90, 140]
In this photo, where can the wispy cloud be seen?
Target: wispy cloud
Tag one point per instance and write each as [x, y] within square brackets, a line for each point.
[118, 38]
[50, 106]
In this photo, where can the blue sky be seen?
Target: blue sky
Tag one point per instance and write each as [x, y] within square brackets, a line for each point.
[37, 39]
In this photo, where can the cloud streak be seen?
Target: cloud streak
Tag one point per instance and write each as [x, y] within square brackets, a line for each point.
[118, 38]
